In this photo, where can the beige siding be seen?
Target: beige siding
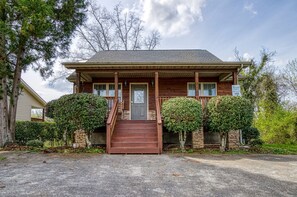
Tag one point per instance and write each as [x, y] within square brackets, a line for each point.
[25, 103]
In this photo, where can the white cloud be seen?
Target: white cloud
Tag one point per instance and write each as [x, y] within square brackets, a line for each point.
[171, 17]
[40, 86]
[247, 57]
[250, 8]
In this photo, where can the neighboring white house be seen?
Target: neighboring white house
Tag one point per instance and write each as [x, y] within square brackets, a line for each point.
[29, 101]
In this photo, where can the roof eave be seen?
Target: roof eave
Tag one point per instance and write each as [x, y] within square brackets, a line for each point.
[74, 65]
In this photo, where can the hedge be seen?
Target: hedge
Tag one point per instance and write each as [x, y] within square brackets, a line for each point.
[44, 131]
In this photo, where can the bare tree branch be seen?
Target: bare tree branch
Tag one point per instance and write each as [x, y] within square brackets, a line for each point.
[114, 30]
[118, 29]
[289, 77]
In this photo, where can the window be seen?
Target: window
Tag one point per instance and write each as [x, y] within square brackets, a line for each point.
[107, 89]
[205, 89]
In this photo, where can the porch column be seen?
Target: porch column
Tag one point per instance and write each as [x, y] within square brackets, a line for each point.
[235, 78]
[197, 85]
[77, 82]
[156, 85]
[116, 85]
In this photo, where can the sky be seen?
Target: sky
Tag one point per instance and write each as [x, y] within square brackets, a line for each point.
[218, 26]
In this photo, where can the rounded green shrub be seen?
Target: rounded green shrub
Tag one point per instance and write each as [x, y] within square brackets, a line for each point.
[80, 111]
[250, 133]
[226, 113]
[35, 143]
[49, 109]
[256, 142]
[182, 115]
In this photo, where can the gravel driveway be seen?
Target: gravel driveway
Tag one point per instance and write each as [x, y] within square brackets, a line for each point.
[29, 174]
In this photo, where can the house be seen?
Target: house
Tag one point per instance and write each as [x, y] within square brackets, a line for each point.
[136, 83]
[29, 101]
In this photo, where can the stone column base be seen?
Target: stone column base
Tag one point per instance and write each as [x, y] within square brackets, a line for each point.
[80, 139]
[198, 139]
[233, 140]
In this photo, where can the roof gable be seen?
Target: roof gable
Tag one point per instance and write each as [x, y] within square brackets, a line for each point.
[33, 93]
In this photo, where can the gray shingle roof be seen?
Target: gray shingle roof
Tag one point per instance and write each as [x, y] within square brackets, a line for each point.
[157, 56]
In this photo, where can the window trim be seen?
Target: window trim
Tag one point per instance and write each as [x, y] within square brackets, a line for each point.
[201, 85]
[107, 88]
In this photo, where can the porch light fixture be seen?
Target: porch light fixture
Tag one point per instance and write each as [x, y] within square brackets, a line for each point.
[125, 83]
[152, 82]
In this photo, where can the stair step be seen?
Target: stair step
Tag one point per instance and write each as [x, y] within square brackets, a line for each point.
[134, 131]
[135, 127]
[138, 150]
[140, 135]
[134, 139]
[136, 121]
[134, 144]
[135, 136]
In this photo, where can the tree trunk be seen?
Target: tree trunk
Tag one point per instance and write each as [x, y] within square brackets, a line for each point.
[4, 113]
[3, 83]
[88, 138]
[182, 140]
[14, 102]
[1, 125]
[65, 138]
[223, 144]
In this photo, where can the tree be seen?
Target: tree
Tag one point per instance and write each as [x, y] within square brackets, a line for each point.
[113, 30]
[289, 76]
[267, 93]
[253, 75]
[32, 33]
[80, 112]
[278, 127]
[228, 113]
[50, 108]
[182, 115]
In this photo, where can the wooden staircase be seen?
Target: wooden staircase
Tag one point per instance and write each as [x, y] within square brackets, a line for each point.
[134, 136]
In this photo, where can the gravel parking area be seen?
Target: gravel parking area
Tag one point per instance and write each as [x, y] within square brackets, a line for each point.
[32, 174]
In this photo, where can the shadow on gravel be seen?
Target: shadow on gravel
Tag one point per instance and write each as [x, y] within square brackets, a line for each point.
[260, 157]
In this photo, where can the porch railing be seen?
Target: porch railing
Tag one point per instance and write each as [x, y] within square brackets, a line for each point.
[159, 126]
[203, 99]
[110, 101]
[110, 124]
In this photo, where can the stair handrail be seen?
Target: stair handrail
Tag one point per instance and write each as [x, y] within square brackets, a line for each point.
[110, 124]
[159, 125]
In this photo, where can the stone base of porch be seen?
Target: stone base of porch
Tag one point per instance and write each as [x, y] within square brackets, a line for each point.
[80, 139]
[233, 140]
[198, 139]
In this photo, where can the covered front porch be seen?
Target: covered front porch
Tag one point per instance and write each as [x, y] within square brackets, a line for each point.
[134, 123]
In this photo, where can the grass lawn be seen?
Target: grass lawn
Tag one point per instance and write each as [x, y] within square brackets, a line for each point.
[290, 149]
[2, 158]
[282, 149]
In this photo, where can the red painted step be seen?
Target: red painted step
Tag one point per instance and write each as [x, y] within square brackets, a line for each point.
[135, 144]
[134, 136]
[139, 150]
[134, 139]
